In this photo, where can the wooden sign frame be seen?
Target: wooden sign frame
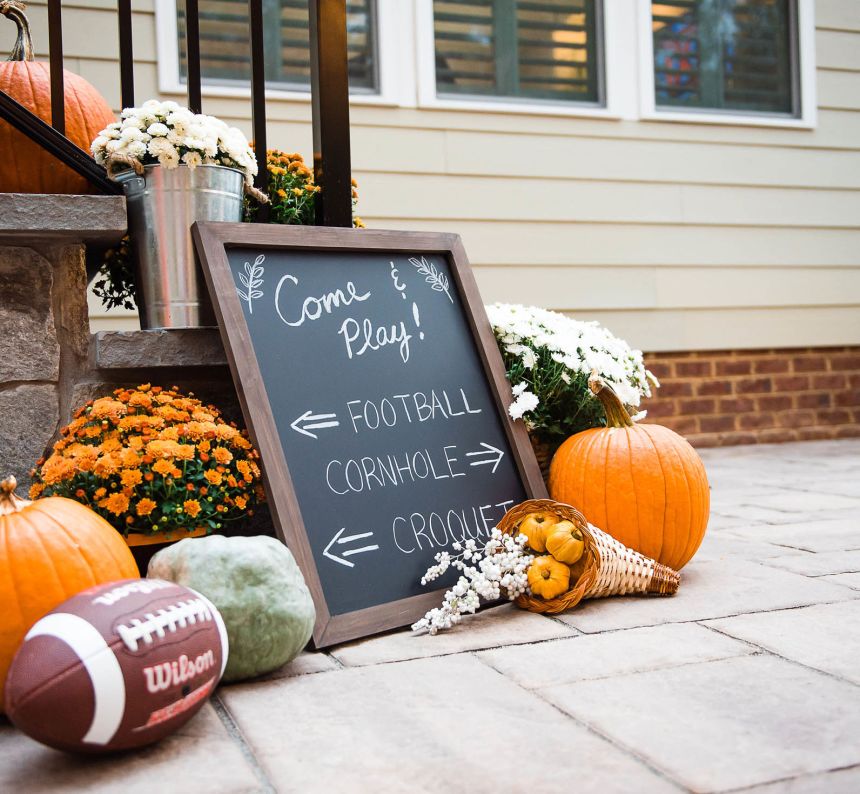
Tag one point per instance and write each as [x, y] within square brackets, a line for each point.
[212, 241]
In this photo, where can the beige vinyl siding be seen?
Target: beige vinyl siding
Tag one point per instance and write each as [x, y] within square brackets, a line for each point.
[677, 236]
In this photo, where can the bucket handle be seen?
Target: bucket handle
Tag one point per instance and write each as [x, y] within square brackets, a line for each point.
[115, 159]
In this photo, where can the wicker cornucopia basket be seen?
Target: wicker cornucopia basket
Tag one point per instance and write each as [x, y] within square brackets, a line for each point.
[609, 567]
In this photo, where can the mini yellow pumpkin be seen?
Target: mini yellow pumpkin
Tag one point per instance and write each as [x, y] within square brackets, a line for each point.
[565, 542]
[535, 527]
[548, 577]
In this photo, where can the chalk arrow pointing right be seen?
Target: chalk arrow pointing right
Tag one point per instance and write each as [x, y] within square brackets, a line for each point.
[488, 456]
[310, 421]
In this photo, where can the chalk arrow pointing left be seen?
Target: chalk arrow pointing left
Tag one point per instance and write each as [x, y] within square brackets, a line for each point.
[488, 456]
[337, 539]
[310, 421]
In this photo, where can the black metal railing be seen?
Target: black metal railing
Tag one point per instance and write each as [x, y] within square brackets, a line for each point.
[329, 97]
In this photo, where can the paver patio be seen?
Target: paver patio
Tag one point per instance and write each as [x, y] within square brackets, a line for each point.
[748, 679]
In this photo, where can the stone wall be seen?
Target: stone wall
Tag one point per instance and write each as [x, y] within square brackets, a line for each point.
[49, 362]
[44, 327]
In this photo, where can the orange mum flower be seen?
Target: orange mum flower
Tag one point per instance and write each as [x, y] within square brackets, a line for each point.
[162, 449]
[192, 507]
[241, 502]
[129, 458]
[185, 451]
[145, 507]
[170, 433]
[105, 466]
[107, 408]
[222, 455]
[130, 478]
[139, 400]
[116, 503]
[57, 469]
[162, 467]
[111, 445]
[213, 477]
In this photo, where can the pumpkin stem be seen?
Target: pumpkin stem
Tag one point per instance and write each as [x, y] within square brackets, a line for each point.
[23, 49]
[9, 501]
[616, 414]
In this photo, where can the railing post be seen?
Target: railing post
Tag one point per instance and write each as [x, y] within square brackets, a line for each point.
[258, 100]
[126, 54]
[192, 55]
[58, 88]
[330, 103]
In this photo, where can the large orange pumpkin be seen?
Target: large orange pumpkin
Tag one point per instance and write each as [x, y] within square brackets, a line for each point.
[26, 167]
[643, 484]
[50, 550]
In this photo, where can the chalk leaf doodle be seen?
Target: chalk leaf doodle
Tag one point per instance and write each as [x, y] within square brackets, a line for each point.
[432, 275]
[251, 279]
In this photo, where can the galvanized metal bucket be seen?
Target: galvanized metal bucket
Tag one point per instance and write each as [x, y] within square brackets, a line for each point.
[162, 204]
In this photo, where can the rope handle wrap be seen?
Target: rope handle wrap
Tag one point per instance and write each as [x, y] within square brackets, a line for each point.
[116, 159]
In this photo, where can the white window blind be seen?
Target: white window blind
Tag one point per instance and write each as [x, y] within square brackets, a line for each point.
[527, 49]
[225, 37]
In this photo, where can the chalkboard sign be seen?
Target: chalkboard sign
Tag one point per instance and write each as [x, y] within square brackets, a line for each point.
[371, 383]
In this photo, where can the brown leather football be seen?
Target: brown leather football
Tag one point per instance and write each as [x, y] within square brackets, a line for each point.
[117, 666]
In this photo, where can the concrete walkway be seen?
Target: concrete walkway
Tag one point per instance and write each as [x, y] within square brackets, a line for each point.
[748, 679]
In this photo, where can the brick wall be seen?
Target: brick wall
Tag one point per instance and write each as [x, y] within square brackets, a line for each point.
[757, 396]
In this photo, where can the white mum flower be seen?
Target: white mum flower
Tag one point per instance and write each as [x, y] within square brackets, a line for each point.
[525, 402]
[192, 159]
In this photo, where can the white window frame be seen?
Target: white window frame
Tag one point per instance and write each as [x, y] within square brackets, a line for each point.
[807, 119]
[392, 15]
[407, 70]
[618, 63]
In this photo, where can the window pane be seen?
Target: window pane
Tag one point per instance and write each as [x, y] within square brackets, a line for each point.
[528, 49]
[225, 42]
[724, 54]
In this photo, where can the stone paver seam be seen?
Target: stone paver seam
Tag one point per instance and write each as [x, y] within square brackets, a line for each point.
[611, 740]
[574, 632]
[769, 652]
[236, 736]
[656, 669]
[714, 617]
[809, 575]
[760, 786]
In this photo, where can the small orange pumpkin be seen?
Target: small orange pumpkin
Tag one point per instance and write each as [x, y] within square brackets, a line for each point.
[565, 542]
[50, 550]
[26, 167]
[535, 527]
[548, 577]
[643, 484]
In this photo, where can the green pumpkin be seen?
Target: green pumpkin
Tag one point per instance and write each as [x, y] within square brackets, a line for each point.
[258, 589]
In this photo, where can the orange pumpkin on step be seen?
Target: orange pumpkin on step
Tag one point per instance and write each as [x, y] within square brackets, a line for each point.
[50, 550]
[643, 484]
[26, 167]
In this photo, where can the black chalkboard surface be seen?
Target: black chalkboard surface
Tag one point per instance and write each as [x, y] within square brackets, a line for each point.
[369, 381]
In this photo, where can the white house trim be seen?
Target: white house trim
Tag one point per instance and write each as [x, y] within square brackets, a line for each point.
[407, 72]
